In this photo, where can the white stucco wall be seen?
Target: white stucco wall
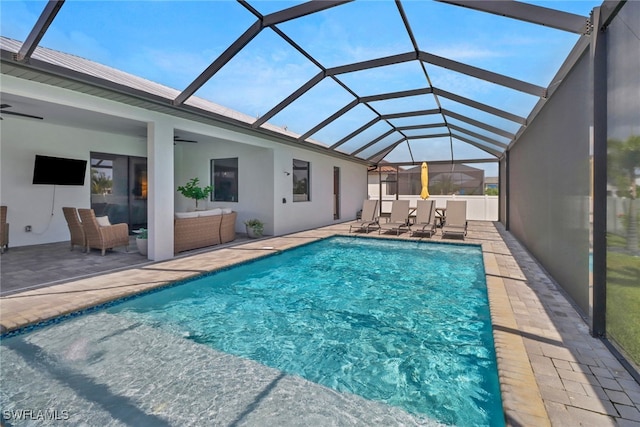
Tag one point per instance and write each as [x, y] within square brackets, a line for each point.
[263, 183]
[255, 172]
[41, 205]
[293, 216]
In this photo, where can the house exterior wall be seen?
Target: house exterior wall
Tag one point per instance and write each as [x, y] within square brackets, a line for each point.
[255, 169]
[292, 216]
[549, 185]
[41, 205]
[262, 163]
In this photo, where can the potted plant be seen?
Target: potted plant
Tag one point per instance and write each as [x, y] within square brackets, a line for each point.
[141, 241]
[255, 228]
[192, 190]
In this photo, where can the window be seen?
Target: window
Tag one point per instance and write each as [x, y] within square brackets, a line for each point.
[225, 180]
[301, 184]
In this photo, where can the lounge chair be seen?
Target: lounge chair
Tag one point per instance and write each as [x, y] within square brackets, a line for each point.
[75, 227]
[368, 218]
[102, 237]
[456, 220]
[4, 229]
[399, 219]
[425, 218]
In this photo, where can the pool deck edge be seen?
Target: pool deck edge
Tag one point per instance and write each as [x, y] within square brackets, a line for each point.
[521, 399]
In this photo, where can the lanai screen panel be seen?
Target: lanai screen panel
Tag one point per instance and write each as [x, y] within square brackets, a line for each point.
[511, 124]
[292, 65]
[432, 149]
[518, 49]
[260, 76]
[404, 104]
[345, 124]
[423, 120]
[316, 105]
[352, 32]
[480, 131]
[166, 42]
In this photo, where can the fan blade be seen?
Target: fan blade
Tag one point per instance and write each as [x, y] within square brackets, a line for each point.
[178, 139]
[21, 115]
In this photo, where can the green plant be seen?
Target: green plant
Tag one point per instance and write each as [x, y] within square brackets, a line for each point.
[623, 163]
[143, 233]
[256, 225]
[100, 183]
[192, 190]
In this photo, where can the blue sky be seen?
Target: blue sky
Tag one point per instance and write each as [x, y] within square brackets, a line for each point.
[172, 42]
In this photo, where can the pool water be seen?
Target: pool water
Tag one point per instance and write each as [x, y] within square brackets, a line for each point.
[404, 324]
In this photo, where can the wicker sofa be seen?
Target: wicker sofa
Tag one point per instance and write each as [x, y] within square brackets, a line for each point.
[200, 229]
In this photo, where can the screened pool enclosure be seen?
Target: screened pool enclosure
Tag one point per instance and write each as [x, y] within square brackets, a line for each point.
[544, 95]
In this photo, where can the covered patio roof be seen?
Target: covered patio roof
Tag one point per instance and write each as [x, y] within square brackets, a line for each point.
[406, 82]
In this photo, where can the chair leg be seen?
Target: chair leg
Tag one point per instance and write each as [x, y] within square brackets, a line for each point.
[103, 251]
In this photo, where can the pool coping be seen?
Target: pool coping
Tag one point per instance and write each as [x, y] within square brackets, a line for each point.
[521, 397]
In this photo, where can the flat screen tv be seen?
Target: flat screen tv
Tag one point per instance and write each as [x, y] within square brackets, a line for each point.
[59, 171]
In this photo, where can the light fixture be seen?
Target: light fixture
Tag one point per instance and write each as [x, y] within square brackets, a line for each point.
[287, 173]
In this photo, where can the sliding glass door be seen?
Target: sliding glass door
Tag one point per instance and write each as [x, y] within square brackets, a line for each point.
[119, 188]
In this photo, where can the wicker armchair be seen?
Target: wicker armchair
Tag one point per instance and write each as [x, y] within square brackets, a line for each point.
[75, 227]
[4, 229]
[103, 238]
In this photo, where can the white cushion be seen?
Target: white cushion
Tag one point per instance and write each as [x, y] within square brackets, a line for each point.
[186, 214]
[227, 210]
[210, 212]
[103, 221]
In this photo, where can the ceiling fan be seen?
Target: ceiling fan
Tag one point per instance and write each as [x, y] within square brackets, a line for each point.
[178, 139]
[14, 113]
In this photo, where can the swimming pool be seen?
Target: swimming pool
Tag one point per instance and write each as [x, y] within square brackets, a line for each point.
[344, 325]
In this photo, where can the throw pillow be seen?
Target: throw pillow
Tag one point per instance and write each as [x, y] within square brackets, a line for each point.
[186, 214]
[103, 221]
[210, 212]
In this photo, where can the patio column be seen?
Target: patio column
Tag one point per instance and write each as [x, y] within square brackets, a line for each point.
[161, 190]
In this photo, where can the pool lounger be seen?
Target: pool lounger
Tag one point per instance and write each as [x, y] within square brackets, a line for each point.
[399, 219]
[368, 218]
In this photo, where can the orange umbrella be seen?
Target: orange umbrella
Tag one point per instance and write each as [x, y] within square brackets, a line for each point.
[424, 179]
